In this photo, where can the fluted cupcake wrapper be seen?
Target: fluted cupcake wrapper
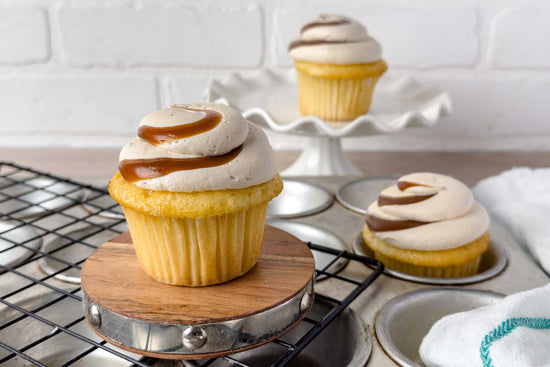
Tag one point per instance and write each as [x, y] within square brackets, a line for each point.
[453, 271]
[335, 99]
[197, 251]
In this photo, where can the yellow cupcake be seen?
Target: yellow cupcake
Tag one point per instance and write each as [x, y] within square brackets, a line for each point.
[337, 92]
[456, 262]
[196, 218]
[337, 67]
[428, 225]
[196, 238]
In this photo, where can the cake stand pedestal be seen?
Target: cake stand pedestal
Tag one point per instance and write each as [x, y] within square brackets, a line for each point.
[322, 156]
[269, 98]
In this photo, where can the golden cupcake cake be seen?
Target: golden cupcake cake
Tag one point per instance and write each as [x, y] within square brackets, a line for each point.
[194, 186]
[337, 65]
[427, 224]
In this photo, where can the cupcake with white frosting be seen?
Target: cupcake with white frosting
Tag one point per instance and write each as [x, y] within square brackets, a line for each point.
[338, 65]
[194, 186]
[427, 224]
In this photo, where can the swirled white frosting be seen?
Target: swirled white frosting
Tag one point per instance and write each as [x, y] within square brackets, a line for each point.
[346, 42]
[449, 215]
[252, 166]
[228, 134]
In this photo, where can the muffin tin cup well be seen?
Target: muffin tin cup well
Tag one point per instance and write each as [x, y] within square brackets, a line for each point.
[73, 247]
[102, 206]
[345, 342]
[357, 195]
[493, 262]
[12, 234]
[299, 199]
[36, 197]
[404, 321]
[309, 233]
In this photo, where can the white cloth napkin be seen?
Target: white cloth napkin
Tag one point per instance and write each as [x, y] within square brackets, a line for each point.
[514, 332]
[520, 198]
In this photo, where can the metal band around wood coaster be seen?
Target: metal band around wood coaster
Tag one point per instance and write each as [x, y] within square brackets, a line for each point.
[129, 309]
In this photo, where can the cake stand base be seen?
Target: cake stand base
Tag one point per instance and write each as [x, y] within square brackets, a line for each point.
[131, 310]
[322, 156]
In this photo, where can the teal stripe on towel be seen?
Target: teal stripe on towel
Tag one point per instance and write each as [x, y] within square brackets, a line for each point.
[506, 328]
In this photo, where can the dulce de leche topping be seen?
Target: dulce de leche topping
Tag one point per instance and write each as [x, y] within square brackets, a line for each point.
[140, 169]
[324, 21]
[197, 147]
[427, 211]
[157, 135]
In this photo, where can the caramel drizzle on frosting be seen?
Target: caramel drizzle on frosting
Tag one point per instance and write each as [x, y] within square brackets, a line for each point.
[140, 169]
[298, 43]
[382, 225]
[322, 24]
[315, 24]
[378, 224]
[389, 200]
[158, 135]
[404, 185]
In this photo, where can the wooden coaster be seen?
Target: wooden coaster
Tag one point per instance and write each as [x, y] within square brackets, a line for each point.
[117, 290]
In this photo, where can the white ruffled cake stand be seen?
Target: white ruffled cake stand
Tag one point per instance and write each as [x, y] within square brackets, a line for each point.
[269, 98]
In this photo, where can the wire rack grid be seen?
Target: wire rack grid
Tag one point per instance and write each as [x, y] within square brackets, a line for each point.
[49, 225]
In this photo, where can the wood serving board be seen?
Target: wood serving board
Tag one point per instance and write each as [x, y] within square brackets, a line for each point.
[113, 278]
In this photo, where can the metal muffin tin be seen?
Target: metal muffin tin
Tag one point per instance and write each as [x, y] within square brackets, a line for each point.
[404, 321]
[332, 347]
[43, 194]
[299, 199]
[12, 234]
[309, 233]
[493, 262]
[357, 195]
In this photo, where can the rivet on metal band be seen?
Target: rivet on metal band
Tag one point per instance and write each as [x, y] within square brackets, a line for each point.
[194, 337]
[95, 317]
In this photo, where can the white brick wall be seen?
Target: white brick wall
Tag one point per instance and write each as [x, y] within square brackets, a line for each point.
[74, 104]
[24, 35]
[128, 36]
[83, 72]
[520, 40]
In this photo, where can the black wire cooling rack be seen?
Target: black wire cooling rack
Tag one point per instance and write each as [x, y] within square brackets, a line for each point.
[48, 227]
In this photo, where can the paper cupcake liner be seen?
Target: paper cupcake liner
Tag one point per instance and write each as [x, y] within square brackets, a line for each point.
[335, 99]
[200, 251]
[454, 271]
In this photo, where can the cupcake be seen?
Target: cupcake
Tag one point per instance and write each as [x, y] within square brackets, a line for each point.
[429, 225]
[337, 66]
[194, 186]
